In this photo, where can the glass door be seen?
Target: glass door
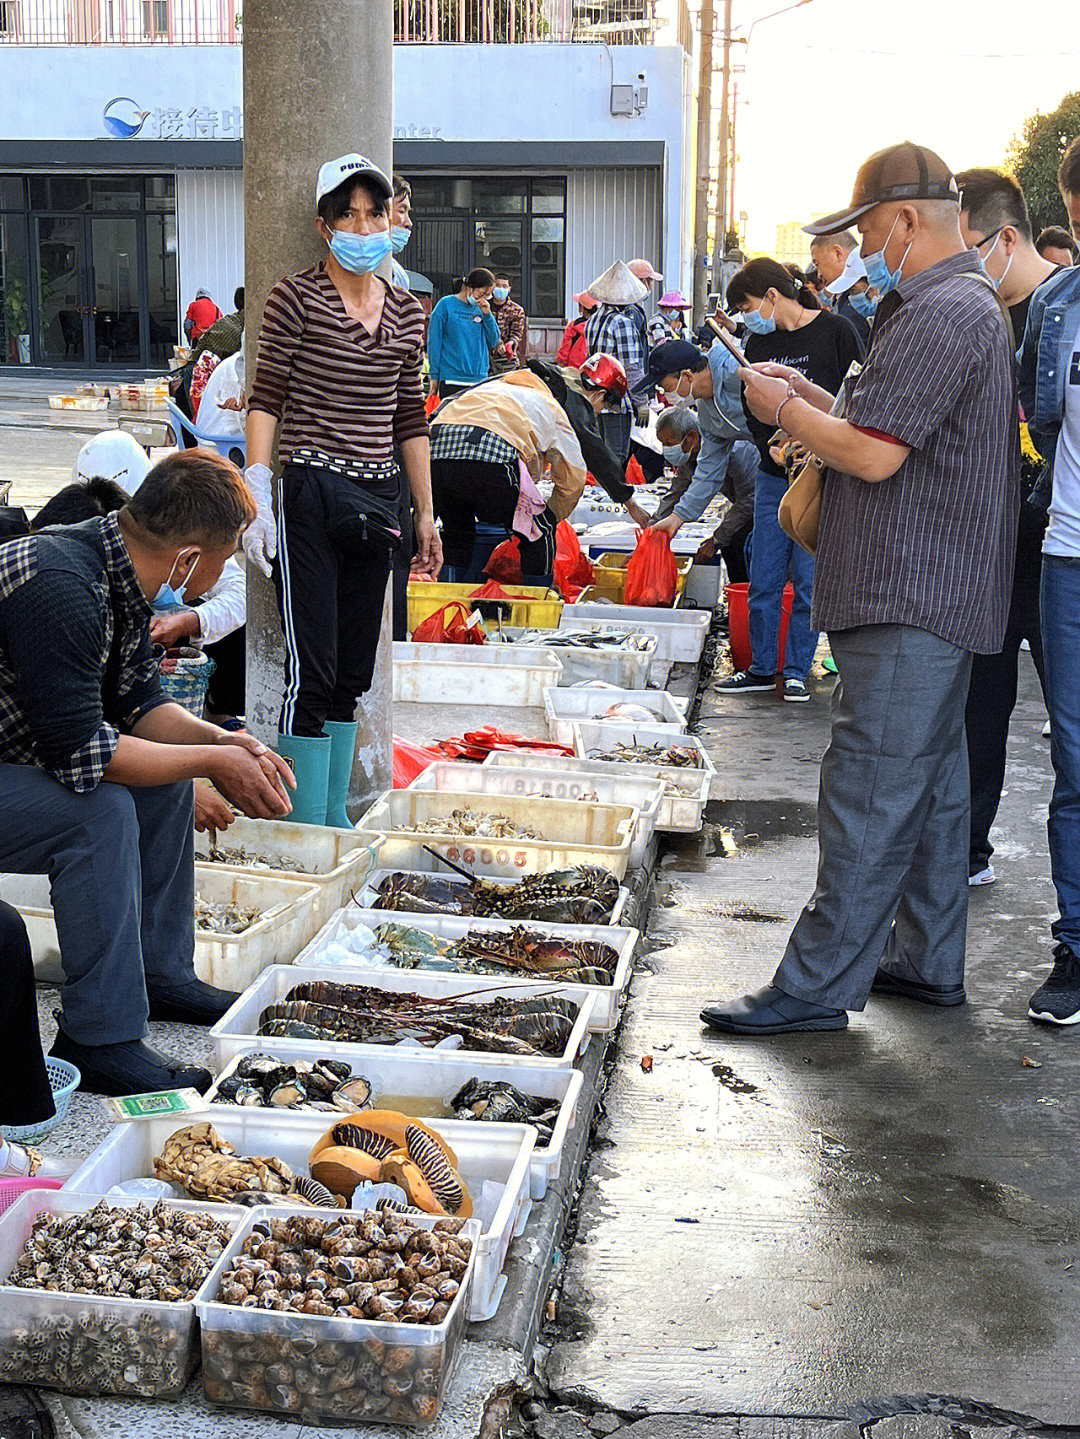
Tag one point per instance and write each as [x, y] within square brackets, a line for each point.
[115, 307]
[64, 322]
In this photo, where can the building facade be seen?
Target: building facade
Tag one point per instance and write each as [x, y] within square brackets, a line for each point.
[121, 179]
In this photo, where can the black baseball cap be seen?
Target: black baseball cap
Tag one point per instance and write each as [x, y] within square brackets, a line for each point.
[670, 358]
[902, 172]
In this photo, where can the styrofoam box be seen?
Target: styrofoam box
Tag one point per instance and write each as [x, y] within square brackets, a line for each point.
[679, 813]
[563, 707]
[680, 634]
[472, 674]
[607, 997]
[230, 961]
[501, 1153]
[369, 895]
[629, 669]
[239, 1025]
[334, 859]
[435, 1347]
[572, 833]
[419, 1075]
[22, 1311]
[552, 783]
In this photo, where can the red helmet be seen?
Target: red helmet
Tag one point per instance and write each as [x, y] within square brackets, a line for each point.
[604, 372]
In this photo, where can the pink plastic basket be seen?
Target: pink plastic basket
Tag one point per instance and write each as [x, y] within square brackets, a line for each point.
[10, 1189]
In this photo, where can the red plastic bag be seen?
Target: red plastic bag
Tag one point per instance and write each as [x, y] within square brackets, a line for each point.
[635, 475]
[494, 591]
[409, 761]
[477, 744]
[572, 572]
[504, 562]
[652, 574]
[454, 624]
[431, 404]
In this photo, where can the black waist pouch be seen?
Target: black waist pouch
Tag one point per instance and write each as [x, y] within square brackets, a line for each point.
[356, 518]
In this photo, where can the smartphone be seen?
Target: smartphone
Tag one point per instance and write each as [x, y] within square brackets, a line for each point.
[727, 342]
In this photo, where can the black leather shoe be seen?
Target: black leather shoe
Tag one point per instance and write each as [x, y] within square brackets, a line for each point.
[191, 1003]
[885, 982]
[771, 1011]
[128, 1068]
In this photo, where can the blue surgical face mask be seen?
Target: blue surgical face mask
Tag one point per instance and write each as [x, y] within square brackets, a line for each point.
[982, 259]
[170, 597]
[673, 455]
[878, 275]
[862, 304]
[360, 254]
[759, 324]
[500, 293]
[399, 238]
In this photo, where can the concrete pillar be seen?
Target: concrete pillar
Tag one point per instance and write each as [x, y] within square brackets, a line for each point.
[318, 82]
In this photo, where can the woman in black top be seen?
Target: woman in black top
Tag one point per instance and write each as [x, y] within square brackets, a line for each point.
[785, 326]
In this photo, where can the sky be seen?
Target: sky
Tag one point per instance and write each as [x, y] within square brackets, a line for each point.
[832, 82]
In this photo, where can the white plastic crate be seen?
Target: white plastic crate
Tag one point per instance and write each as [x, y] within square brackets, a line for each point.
[501, 1153]
[572, 833]
[563, 707]
[679, 812]
[629, 669]
[290, 916]
[239, 1025]
[553, 782]
[400, 1073]
[680, 634]
[473, 674]
[607, 998]
[369, 895]
[611, 533]
[25, 1312]
[703, 585]
[265, 1339]
[336, 860]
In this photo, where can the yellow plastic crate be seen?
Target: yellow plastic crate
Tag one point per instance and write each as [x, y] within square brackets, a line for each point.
[540, 609]
[610, 570]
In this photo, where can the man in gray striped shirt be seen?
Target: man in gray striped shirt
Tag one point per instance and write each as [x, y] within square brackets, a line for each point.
[914, 570]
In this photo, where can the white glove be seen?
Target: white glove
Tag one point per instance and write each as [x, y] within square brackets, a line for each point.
[260, 537]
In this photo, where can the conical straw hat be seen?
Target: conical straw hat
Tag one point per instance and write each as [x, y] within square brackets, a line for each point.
[617, 286]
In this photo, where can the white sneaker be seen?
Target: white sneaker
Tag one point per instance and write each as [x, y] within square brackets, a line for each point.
[982, 876]
[1046, 730]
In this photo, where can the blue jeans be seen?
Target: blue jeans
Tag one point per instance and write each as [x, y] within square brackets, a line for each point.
[1060, 601]
[772, 558]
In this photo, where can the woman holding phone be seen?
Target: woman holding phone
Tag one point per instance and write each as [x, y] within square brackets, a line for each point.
[784, 325]
[338, 375]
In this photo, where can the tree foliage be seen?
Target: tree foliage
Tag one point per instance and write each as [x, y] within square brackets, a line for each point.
[1034, 157]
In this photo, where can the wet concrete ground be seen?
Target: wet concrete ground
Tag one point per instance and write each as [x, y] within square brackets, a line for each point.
[795, 1226]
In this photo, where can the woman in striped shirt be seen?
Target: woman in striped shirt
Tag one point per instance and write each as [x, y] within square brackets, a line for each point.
[338, 383]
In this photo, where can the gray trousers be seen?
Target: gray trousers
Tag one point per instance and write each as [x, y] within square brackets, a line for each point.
[121, 870]
[892, 822]
[680, 482]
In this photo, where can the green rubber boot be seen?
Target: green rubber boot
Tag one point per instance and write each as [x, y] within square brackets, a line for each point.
[310, 760]
[342, 750]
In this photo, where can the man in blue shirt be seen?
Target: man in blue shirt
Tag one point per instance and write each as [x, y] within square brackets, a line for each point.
[681, 370]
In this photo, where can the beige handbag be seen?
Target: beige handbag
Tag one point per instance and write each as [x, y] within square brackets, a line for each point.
[800, 508]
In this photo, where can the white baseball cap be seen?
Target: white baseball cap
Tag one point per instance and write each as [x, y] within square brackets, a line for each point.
[350, 167]
[854, 270]
[113, 455]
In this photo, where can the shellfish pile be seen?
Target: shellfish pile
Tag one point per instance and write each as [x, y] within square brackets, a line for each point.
[139, 1253]
[159, 1254]
[241, 858]
[208, 1167]
[475, 823]
[362, 1014]
[261, 1081]
[384, 1146]
[375, 1267]
[497, 1102]
[222, 918]
[681, 756]
[583, 894]
[518, 950]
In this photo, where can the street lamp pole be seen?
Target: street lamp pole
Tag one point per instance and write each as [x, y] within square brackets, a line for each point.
[704, 118]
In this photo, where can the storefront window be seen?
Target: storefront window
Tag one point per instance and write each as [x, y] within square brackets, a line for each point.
[59, 192]
[12, 192]
[15, 315]
[116, 192]
[162, 285]
[518, 229]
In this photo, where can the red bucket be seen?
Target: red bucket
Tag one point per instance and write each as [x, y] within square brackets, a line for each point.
[738, 604]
